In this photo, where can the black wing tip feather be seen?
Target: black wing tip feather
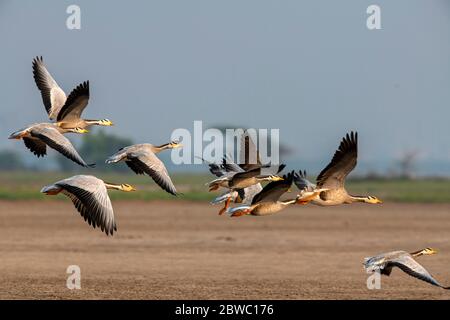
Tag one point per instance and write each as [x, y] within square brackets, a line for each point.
[166, 188]
[175, 193]
[37, 75]
[349, 144]
[37, 59]
[140, 168]
[281, 167]
[82, 87]
[52, 144]
[288, 177]
[36, 149]
[109, 232]
[134, 166]
[38, 154]
[349, 141]
[300, 174]
[37, 62]
[418, 275]
[215, 169]
[80, 90]
[79, 199]
[41, 82]
[285, 183]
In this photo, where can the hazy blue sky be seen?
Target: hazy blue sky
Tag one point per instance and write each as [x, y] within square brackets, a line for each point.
[310, 68]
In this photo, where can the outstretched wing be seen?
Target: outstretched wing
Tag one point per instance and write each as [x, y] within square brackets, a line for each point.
[55, 140]
[414, 269]
[36, 146]
[274, 190]
[75, 104]
[135, 167]
[53, 96]
[216, 169]
[148, 162]
[302, 182]
[227, 167]
[343, 162]
[90, 197]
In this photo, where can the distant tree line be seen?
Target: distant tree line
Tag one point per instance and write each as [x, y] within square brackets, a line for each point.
[94, 148]
[97, 146]
[11, 160]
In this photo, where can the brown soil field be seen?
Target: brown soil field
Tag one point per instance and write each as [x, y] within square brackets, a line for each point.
[183, 250]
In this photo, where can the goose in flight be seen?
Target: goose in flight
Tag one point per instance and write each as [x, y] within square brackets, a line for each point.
[268, 201]
[65, 110]
[333, 176]
[249, 159]
[90, 197]
[142, 159]
[38, 136]
[403, 260]
[245, 179]
[245, 195]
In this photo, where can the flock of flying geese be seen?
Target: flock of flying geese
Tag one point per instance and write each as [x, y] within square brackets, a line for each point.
[241, 180]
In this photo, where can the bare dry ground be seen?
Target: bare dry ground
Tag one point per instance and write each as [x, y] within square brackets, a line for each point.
[182, 250]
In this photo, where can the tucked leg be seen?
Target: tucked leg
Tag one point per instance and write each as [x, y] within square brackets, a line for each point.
[227, 204]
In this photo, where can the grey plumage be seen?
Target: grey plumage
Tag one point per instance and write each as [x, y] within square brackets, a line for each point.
[65, 110]
[267, 201]
[403, 260]
[227, 169]
[90, 197]
[53, 96]
[141, 158]
[37, 136]
[302, 182]
[332, 177]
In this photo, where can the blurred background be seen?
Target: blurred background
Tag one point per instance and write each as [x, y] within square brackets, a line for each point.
[310, 68]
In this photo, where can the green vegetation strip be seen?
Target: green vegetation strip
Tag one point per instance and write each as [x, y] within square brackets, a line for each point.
[26, 186]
